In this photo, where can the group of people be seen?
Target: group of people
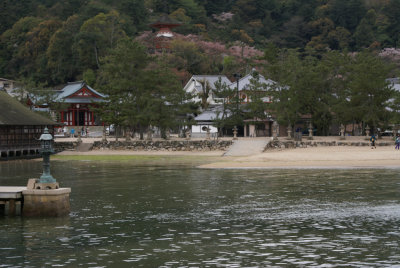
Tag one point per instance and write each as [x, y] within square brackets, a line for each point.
[84, 132]
[396, 142]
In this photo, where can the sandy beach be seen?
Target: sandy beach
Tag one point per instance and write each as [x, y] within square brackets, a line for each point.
[317, 157]
[311, 157]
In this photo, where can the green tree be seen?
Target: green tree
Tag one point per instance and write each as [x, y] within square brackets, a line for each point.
[227, 108]
[366, 32]
[392, 11]
[258, 96]
[205, 93]
[188, 56]
[302, 89]
[62, 54]
[139, 95]
[13, 45]
[120, 80]
[35, 47]
[347, 13]
[282, 66]
[98, 35]
[338, 64]
[165, 98]
[370, 92]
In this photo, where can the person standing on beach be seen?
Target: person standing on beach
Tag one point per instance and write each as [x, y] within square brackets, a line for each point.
[373, 140]
[397, 142]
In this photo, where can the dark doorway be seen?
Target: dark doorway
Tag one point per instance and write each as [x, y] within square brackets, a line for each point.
[81, 118]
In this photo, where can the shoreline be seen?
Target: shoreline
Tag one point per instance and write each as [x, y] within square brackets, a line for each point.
[338, 157]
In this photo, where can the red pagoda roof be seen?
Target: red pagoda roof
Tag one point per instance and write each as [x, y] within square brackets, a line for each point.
[165, 22]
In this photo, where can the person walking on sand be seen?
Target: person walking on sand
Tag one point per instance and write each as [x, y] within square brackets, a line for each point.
[373, 140]
[397, 142]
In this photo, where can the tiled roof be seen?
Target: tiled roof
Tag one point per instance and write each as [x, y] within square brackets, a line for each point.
[12, 112]
[211, 80]
[244, 82]
[72, 88]
[210, 114]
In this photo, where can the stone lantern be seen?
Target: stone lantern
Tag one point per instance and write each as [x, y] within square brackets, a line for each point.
[275, 128]
[342, 129]
[46, 141]
[79, 140]
[235, 132]
[149, 134]
[367, 129]
[310, 131]
[127, 135]
[289, 132]
[188, 134]
[103, 137]
[208, 133]
[42, 196]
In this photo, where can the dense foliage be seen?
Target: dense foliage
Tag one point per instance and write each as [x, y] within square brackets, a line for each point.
[53, 42]
[321, 52]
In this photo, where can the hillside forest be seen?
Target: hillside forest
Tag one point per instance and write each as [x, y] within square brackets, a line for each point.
[335, 54]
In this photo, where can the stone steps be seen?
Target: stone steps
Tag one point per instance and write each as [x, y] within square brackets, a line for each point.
[84, 147]
[244, 147]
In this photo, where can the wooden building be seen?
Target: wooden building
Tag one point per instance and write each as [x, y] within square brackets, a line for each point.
[20, 129]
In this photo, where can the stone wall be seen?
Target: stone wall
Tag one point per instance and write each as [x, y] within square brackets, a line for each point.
[310, 143]
[65, 146]
[165, 145]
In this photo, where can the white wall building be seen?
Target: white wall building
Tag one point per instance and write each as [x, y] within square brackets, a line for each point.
[194, 86]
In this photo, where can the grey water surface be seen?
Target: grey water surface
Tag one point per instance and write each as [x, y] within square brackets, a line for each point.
[133, 215]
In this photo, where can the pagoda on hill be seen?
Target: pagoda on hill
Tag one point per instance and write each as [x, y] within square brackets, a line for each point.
[164, 35]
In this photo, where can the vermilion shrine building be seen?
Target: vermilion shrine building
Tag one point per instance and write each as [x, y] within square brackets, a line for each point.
[80, 99]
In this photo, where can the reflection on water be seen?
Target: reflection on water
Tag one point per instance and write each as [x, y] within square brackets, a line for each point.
[130, 216]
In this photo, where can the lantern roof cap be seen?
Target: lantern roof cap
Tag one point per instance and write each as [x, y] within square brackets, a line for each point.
[46, 136]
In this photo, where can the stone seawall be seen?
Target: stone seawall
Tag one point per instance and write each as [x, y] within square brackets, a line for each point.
[304, 144]
[166, 145]
[65, 146]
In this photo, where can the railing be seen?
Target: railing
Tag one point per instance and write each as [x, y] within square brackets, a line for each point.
[19, 146]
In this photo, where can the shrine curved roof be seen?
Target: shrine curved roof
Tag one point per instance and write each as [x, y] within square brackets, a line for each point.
[74, 87]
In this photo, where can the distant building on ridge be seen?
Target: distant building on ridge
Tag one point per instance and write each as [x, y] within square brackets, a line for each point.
[164, 35]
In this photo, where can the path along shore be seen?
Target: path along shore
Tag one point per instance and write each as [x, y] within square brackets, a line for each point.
[310, 157]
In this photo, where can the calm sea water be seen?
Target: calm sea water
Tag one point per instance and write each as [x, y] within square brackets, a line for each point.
[134, 215]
